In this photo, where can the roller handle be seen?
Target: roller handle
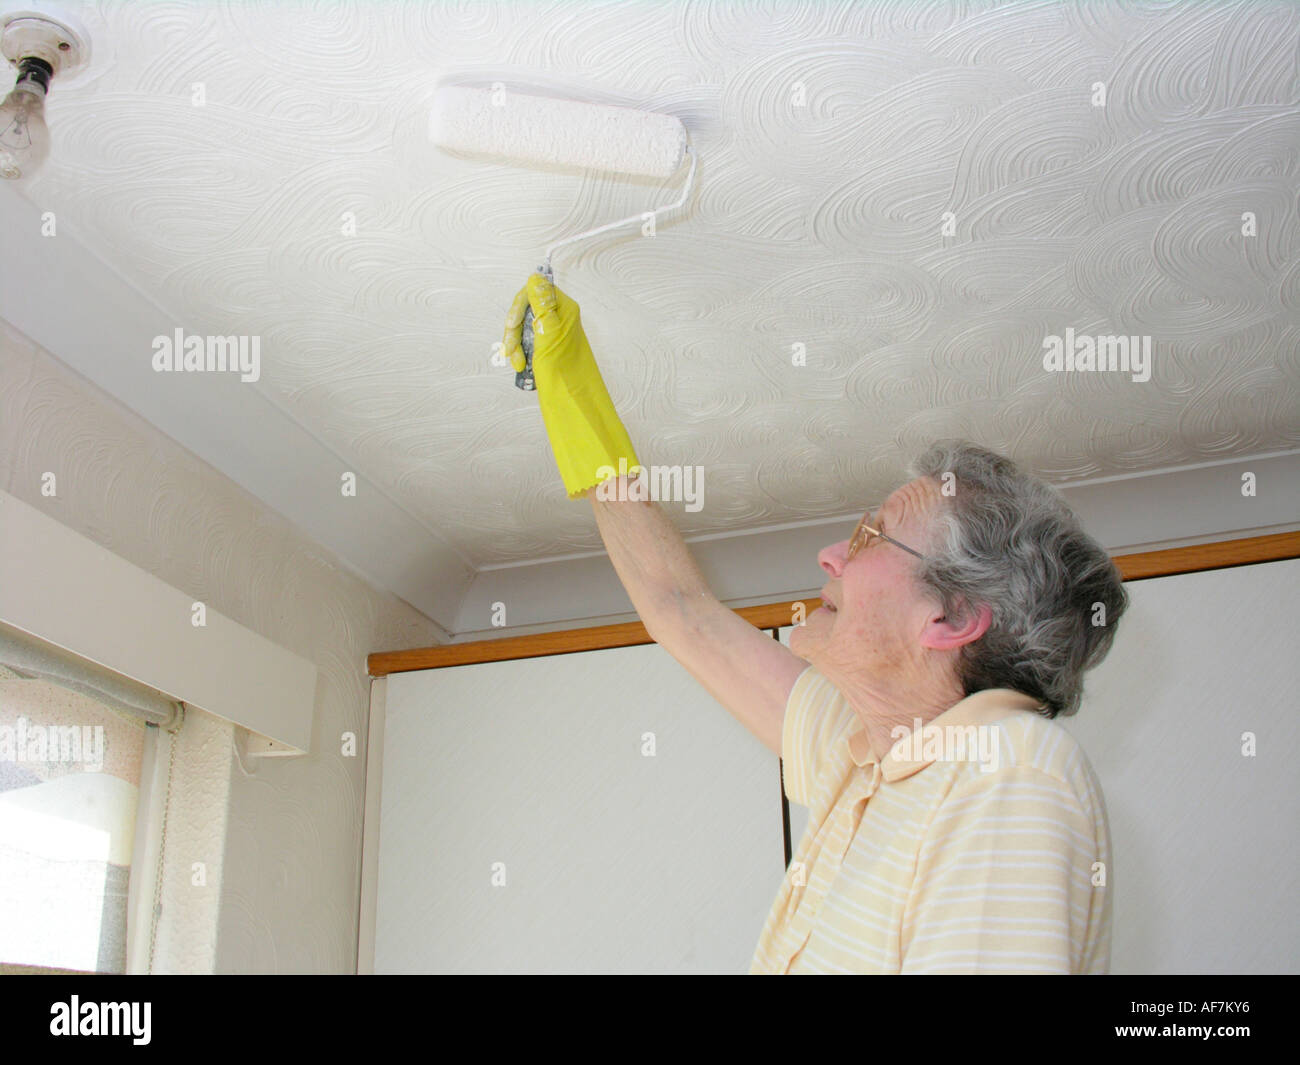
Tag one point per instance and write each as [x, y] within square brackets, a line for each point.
[524, 377]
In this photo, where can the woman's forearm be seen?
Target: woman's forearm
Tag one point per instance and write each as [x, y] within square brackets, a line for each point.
[652, 560]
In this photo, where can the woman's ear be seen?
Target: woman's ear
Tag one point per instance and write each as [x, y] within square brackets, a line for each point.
[965, 625]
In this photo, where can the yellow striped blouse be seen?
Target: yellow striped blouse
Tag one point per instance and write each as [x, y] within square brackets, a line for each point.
[978, 844]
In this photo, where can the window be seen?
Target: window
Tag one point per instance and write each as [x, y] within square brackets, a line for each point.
[69, 784]
[73, 740]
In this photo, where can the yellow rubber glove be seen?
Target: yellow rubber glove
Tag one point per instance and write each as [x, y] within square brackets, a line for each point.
[583, 427]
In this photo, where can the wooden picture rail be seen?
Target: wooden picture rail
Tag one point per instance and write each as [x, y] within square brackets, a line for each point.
[1135, 567]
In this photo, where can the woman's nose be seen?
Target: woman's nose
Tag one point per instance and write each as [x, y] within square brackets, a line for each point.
[832, 558]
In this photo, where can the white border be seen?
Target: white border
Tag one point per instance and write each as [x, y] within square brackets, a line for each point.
[370, 827]
[143, 884]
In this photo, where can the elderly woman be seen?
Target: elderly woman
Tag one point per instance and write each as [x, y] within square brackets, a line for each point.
[953, 825]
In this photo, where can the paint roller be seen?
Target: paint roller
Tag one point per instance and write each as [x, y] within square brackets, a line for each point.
[558, 132]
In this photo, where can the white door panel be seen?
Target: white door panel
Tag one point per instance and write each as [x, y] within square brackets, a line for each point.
[614, 861]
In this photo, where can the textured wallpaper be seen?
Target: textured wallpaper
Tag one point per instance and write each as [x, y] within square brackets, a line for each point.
[916, 193]
[283, 845]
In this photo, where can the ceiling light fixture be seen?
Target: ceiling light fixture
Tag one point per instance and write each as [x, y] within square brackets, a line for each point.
[40, 45]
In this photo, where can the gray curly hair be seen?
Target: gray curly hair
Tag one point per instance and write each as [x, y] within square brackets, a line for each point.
[1007, 539]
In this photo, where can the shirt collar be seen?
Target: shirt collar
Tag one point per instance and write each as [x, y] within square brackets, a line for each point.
[980, 708]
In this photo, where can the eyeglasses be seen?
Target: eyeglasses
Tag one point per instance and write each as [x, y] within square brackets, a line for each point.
[864, 532]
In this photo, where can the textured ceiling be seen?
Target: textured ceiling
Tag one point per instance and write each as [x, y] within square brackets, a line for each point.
[817, 225]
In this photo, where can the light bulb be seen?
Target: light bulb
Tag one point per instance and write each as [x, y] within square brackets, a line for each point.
[24, 137]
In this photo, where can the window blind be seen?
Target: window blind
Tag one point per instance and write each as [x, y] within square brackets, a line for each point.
[35, 659]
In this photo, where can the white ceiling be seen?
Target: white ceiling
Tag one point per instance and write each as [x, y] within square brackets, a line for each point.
[817, 225]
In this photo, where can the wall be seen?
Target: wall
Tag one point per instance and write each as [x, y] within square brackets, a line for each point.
[1191, 727]
[289, 857]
